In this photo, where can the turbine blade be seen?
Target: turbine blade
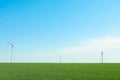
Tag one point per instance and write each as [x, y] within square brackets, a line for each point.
[11, 44]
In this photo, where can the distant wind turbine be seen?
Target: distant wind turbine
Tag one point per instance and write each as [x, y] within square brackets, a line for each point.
[102, 56]
[11, 56]
[60, 57]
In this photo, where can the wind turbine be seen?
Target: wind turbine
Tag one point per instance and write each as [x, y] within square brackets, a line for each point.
[12, 46]
[60, 57]
[102, 56]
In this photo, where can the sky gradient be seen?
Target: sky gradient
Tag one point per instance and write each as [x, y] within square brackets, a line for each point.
[77, 29]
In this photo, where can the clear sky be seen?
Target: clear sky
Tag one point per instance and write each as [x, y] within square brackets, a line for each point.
[77, 29]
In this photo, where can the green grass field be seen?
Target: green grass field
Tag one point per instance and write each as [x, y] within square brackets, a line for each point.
[37, 71]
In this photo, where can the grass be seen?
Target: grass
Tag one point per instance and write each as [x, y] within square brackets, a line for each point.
[42, 71]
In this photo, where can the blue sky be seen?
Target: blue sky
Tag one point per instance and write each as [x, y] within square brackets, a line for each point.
[43, 29]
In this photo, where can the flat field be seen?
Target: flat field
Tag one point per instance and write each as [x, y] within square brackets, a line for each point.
[54, 71]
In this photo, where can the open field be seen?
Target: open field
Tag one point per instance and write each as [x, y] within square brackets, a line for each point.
[41, 71]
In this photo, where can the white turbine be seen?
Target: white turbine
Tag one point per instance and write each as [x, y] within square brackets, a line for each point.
[11, 56]
[60, 57]
[102, 56]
